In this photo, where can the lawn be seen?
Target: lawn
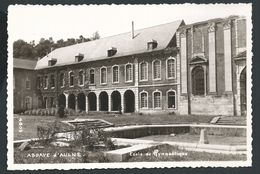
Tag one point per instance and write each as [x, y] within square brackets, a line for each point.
[29, 123]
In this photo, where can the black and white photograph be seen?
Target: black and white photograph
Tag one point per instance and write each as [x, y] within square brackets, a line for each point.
[129, 86]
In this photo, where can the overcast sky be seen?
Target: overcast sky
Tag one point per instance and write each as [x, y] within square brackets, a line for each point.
[62, 22]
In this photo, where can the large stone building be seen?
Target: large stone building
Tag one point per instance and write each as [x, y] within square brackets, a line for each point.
[213, 67]
[174, 67]
[24, 84]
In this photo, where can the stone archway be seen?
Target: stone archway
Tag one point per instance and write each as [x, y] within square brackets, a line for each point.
[243, 91]
[116, 101]
[72, 101]
[81, 100]
[92, 101]
[103, 101]
[62, 100]
[129, 98]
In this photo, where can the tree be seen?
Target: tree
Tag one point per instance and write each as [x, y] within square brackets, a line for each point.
[95, 36]
[22, 49]
[44, 47]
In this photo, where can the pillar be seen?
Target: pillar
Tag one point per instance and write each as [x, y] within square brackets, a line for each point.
[212, 58]
[122, 102]
[86, 98]
[76, 103]
[66, 100]
[97, 95]
[136, 100]
[227, 57]
[109, 102]
[183, 62]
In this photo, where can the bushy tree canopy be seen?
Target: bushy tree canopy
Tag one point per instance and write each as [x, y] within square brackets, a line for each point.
[24, 50]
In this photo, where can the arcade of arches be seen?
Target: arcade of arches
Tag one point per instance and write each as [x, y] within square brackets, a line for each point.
[101, 102]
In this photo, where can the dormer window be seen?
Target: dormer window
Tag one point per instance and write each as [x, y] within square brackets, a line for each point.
[52, 62]
[79, 57]
[111, 52]
[152, 45]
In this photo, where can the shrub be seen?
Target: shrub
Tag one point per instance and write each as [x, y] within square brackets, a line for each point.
[91, 138]
[61, 112]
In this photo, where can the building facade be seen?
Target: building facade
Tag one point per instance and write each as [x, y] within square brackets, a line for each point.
[24, 84]
[213, 66]
[185, 69]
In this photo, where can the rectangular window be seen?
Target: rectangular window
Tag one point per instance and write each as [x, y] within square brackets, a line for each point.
[51, 102]
[156, 69]
[45, 102]
[171, 99]
[62, 79]
[129, 73]
[38, 82]
[115, 74]
[144, 70]
[92, 76]
[81, 78]
[103, 75]
[157, 100]
[45, 81]
[71, 78]
[144, 103]
[52, 81]
[27, 84]
[171, 68]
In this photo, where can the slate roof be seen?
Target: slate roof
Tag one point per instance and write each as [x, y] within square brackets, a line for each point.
[24, 64]
[125, 45]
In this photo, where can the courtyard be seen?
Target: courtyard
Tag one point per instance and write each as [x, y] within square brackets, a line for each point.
[29, 123]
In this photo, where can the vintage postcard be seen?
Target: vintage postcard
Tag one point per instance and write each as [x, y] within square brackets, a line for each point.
[129, 86]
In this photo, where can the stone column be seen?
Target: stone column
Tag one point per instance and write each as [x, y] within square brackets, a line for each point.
[227, 57]
[97, 95]
[109, 102]
[66, 101]
[122, 102]
[76, 103]
[212, 58]
[136, 100]
[183, 56]
[86, 107]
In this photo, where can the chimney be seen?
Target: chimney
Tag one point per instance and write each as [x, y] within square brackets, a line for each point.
[133, 30]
